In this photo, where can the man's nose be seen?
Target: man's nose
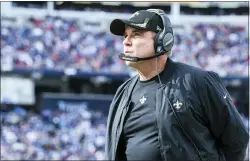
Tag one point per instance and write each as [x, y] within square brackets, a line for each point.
[127, 41]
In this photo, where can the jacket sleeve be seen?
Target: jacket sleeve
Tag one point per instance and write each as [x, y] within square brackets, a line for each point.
[222, 117]
[110, 119]
[112, 111]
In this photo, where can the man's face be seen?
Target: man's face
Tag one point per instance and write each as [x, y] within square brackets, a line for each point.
[138, 43]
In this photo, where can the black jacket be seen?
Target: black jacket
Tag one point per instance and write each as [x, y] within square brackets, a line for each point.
[207, 125]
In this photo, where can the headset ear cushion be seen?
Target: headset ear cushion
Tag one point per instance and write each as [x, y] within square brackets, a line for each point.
[158, 43]
[168, 42]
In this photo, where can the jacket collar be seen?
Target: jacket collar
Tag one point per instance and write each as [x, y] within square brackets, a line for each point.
[170, 69]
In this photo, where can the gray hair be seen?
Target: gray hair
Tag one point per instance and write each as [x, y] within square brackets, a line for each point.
[169, 53]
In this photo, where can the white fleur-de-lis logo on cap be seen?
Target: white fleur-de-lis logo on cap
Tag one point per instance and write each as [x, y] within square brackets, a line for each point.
[144, 24]
[135, 14]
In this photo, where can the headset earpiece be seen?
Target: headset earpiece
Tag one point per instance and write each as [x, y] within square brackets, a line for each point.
[164, 39]
[168, 40]
[157, 43]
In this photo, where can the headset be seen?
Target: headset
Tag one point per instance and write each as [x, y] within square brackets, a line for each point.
[164, 39]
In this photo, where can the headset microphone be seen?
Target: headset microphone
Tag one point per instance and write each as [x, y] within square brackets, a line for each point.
[128, 58]
[136, 59]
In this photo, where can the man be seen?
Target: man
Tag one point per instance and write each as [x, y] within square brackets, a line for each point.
[169, 111]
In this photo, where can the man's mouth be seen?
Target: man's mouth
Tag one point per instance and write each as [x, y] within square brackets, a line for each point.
[127, 52]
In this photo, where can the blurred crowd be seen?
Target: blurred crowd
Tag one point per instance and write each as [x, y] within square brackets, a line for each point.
[56, 43]
[52, 135]
[220, 48]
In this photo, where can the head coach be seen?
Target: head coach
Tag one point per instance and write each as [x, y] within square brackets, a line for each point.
[169, 111]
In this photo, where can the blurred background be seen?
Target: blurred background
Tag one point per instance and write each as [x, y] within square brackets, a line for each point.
[60, 68]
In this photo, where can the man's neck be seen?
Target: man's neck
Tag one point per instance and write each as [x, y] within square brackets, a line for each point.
[150, 71]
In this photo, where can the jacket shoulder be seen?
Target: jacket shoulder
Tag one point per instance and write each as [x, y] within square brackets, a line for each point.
[195, 76]
[198, 73]
[189, 68]
[127, 82]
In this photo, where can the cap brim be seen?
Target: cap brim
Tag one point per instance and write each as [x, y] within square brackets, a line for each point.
[117, 26]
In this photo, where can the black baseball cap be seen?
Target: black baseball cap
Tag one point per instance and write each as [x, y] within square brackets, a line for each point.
[142, 20]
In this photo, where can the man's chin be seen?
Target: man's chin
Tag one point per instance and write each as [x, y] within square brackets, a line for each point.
[129, 63]
[132, 64]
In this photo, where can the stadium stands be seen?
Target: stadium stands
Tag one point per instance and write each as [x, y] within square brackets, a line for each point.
[52, 135]
[56, 43]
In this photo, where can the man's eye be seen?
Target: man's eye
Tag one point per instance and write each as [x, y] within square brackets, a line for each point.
[137, 34]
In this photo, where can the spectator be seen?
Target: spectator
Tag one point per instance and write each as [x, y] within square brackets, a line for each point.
[56, 43]
[52, 135]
